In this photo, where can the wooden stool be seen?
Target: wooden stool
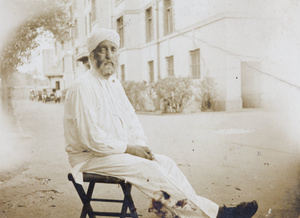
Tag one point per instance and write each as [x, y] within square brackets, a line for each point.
[86, 198]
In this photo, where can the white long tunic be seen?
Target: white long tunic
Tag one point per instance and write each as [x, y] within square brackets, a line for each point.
[99, 123]
[99, 119]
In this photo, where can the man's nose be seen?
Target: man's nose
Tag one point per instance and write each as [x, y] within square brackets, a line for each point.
[108, 54]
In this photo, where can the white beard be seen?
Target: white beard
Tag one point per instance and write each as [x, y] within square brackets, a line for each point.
[106, 70]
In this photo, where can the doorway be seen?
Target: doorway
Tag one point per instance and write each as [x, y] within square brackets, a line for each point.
[57, 85]
[251, 84]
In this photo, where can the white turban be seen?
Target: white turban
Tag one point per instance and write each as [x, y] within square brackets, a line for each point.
[100, 34]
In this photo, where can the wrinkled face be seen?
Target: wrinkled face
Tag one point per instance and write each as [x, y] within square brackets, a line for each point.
[105, 58]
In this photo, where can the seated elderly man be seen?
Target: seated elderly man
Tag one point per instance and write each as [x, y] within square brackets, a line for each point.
[103, 135]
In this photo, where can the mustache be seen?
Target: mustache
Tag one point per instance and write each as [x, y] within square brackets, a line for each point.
[99, 63]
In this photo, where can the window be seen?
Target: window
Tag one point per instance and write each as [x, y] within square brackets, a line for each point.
[168, 17]
[121, 31]
[122, 72]
[63, 64]
[85, 25]
[75, 29]
[55, 48]
[90, 18]
[71, 12]
[151, 71]
[57, 85]
[170, 65]
[195, 63]
[93, 12]
[149, 25]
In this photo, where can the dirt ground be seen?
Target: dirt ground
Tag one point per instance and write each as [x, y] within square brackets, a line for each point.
[227, 157]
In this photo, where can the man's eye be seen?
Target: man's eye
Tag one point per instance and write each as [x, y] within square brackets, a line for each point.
[102, 50]
[113, 49]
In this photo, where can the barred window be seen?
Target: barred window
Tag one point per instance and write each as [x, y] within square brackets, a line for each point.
[93, 12]
[90, 24]
[85, 25]
[195, 63]
[120, 27]
[63, 64]
[168, 17]
[123, 72]
[57, 85]
[75, 30]
[170, 65]
[149, 25]
[151, 71]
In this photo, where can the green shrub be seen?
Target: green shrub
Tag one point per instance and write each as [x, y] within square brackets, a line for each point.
[138, 95]
[172, 95]
[208, 94]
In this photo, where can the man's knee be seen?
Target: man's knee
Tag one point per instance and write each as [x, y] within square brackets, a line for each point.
[164, 160]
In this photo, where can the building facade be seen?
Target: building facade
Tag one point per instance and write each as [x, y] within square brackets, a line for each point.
[175, 38]
[51, 70]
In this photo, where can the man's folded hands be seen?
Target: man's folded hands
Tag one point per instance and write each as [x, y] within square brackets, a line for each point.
[140, 151]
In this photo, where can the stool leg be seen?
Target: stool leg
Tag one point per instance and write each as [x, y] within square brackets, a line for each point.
[124, 206]
[87, 208]
[128, 202]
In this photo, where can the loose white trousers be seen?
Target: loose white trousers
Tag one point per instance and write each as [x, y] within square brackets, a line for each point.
[172, 195]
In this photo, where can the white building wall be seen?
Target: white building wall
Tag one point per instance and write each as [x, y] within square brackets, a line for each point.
[183, 14]
[224, 31]
[133, 65]
[48, 61]
[103, 13]
[118, 9]
[68, 74]
[133, 37]
[133, 4]
[189, 13]
[159, 9]
[79, 14]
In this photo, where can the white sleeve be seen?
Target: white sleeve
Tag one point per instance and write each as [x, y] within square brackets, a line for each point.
[135, 127]
[137, 132]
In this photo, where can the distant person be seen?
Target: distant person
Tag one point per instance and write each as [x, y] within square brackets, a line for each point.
[103, 135]
[57, 96]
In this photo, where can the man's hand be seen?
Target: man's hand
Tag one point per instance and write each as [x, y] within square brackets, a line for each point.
[139, 151]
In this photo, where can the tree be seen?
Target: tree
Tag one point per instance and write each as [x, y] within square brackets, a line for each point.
[51, 16]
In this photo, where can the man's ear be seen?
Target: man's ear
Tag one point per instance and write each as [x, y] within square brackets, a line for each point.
[91, 56]
[92, 59]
